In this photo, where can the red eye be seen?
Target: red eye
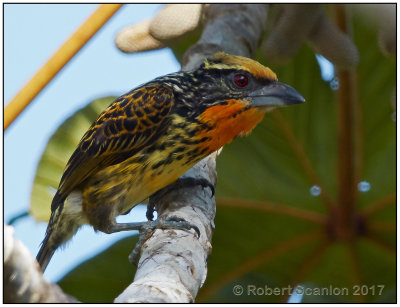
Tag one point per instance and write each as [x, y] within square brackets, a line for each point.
[241, 80]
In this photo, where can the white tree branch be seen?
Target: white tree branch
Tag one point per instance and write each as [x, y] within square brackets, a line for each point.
[23, 278]
[173, 263]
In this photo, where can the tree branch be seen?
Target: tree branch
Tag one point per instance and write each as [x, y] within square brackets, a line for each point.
[23, 279]
[173, 263]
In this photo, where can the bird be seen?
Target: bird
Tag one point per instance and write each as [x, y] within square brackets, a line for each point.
[147, 138]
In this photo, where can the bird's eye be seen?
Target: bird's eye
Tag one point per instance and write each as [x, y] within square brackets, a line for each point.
[241, 80]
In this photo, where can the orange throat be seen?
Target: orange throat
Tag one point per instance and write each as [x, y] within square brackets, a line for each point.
[227, 122]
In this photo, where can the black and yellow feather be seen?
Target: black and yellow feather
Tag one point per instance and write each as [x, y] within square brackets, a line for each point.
[132, 122]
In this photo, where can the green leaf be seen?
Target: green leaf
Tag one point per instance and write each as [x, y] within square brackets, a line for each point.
[56, 154]
[102, 278]
[292, 150]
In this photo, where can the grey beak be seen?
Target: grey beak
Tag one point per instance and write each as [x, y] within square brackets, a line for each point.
[275, 94]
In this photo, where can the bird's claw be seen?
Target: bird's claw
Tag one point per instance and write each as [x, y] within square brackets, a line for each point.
[182, 182]
[148, 228]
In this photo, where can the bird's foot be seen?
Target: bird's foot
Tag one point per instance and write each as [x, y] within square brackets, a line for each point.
[148, 228]
[182, 182]
[187, 182]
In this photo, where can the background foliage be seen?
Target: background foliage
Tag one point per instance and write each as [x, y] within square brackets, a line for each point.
[270, 230]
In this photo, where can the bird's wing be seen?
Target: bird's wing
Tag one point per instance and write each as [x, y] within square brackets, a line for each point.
[129, 124]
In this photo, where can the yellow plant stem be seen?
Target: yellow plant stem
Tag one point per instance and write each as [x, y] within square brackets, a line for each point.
[65, 53]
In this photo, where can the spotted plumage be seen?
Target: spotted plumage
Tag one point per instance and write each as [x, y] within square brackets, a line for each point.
[127, 126]
[150, 136]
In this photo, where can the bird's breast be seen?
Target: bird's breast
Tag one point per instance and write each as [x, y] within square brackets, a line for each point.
[227, 121]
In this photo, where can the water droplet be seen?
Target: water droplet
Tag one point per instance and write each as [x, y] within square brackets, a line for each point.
[327, 68]
[393, 116]
[364, 186]
[334, 84]
[315, 190]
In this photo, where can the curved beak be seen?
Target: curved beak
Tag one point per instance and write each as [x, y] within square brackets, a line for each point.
[275, 94]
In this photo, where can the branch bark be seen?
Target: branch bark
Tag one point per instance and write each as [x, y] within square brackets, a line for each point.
[173, 263]
[23, 279]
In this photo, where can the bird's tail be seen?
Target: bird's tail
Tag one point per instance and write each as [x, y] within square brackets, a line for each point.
[45, 253]
[63, 224]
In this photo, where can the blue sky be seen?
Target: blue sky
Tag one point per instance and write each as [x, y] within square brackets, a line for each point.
[32, 33]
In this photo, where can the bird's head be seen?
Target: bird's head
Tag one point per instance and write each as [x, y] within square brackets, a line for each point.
[230, 94]
[225, 77]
